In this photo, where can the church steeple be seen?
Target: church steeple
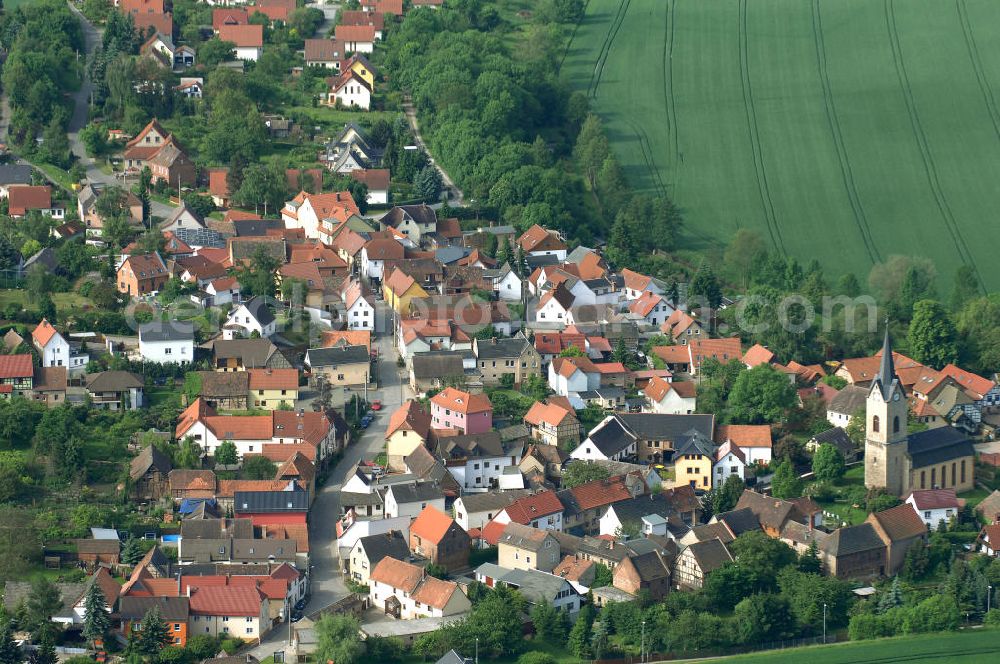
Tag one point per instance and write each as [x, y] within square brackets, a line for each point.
[886, 378]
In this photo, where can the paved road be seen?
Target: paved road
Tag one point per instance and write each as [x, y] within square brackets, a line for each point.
[81, 101]
[327, 582]
[329, 10]
[455, 195]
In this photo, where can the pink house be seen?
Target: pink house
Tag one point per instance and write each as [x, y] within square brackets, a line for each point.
[454, 409]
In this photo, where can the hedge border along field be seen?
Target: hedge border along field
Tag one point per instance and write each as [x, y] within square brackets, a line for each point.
[843, 130]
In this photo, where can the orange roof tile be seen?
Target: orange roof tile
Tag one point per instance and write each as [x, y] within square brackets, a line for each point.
[397, 574]
[246, 36]
[410, 417]
[601, 492]
[757, 354]
[744, 435]
[462, 402]
[43, 333]
[274, 379]
[526, 509]
[431, 524]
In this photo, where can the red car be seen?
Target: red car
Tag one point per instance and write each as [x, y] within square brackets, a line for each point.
[376, 405]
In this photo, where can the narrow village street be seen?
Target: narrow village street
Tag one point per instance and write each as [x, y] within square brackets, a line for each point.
[327, 584]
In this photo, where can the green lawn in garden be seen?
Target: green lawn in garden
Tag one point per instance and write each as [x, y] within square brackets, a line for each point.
[845, 131]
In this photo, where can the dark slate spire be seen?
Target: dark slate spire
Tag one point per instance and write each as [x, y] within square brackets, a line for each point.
[887, 370]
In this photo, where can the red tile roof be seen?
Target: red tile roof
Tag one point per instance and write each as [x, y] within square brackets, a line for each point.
[744, 435]
[247, 36]
[462, 402]
[526, 509]
[757, 354]
[43, 333]
[232, 600]
[397, 574]
[217, 181]
[410, 417]
[431, 524]
[934, 499]
[354, 33]
[969, 381]
[601, 492]
[229, 16]
[16, 366]
[274, 379]
[377, 179]
[22, 197]
[548, 413]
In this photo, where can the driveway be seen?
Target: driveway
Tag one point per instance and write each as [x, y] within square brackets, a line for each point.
[455, 195]
[327, 582]
[329, 10]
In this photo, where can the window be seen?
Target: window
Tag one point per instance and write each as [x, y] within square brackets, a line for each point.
[875, 424]
[895, 424]
[953, 468]
[963, 471]
[168, 351]
[927, 514]
[177, 627]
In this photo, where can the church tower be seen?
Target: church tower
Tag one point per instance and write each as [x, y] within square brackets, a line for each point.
[885, 428]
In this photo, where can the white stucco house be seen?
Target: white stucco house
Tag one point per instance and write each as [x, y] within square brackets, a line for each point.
[934, 506]
[253, 316]
[165, 342]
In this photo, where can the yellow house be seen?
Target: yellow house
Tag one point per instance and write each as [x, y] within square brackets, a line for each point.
[399, 289]
[409, 428]
[359, 65]
[693, 462]
[269, 388]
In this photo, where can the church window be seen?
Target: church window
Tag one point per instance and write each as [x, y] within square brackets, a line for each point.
[895, 424]
[875, 424]
[923, 479]
[933, 477]
[963, 471]
[953, 464]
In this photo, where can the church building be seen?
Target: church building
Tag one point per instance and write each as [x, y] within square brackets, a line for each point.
[901, 462]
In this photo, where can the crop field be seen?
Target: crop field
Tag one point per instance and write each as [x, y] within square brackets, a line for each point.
[843, 130]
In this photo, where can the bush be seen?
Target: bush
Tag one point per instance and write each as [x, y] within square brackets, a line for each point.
[536, 658]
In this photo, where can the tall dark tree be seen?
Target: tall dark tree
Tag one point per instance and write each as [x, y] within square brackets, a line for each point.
[155, 634]
[96, 619]
[705, 285]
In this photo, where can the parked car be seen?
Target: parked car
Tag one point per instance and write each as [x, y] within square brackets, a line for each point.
[376, 405]
[366, 421]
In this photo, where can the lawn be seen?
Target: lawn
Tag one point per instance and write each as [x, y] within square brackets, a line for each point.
[967, 646]
[63, 301]
[845, 131]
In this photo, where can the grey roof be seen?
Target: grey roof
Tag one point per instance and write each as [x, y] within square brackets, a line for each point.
[540, 260]
[258, 308]
[255, 227]
[849, 400]
[264, 549]
[422, 214]
[611, 438]
[201, 237]
[739, 521]
[852, 539]
[253, 353]
[578, 254]
[213, 529]
[655, 426]
[206, 550]
[694, 442]
[536, 586]
[15, 174]
[634, 509]
[837, 437]
[524, 537]
[886, 380]
[46, 257]
[172, 609]
[386, 545]
[173, 330]
[437, 364]
[486, 444]
[354, 498]
[422, 464]
[416, 492]
[271, 501]
[114, 381]
[452, 657]
[937, 446]
[491, 502]
[651, 565]
[337, 355]
[488, 349]
[446, 255]
[149, 458]
[710, 554]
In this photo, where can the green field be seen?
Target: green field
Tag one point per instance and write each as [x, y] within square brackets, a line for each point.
[843, 130]
[961, 647]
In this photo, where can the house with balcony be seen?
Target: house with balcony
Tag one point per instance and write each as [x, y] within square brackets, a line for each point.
[116, 390]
